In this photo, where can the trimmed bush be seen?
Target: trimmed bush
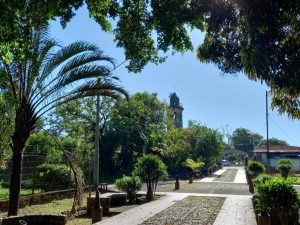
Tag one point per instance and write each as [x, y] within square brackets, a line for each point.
[285, 165]
[279, 198]
[255, 168]
[151, 169]
[262, 178]
[130, 185]
[54, 177]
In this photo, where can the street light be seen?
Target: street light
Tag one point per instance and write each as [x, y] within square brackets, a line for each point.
[97, 209]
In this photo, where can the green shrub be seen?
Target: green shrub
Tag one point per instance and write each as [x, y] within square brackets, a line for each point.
[151, 169]
[278, 197]
[192, 165]
[130, 185]
[255, 168]
[285, 165]
[262, 178]
[54, 177]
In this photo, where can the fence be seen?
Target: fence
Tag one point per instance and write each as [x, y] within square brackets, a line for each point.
[29, 184]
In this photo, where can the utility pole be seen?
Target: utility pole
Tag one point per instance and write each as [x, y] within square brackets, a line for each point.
[267, 124]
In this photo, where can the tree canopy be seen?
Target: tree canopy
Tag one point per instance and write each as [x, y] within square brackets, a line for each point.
[260, 39]
[137, 125]
[272, 141]
[245, 140]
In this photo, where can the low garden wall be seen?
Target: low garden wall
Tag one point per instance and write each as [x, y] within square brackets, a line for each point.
[35, 220]
[43, 198]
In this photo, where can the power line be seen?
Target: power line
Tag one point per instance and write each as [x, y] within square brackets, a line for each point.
[275, 123]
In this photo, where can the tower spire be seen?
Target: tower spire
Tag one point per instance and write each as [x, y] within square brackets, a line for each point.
[177, 108]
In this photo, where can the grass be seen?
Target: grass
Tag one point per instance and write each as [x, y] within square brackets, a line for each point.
[54, 207]
[295, 178]
[4, 192]
[59, 206]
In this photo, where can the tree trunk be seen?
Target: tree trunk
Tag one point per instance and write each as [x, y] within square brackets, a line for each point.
[15, 183]
[23, 126]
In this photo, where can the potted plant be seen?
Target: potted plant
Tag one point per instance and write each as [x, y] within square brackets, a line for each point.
[277, 197]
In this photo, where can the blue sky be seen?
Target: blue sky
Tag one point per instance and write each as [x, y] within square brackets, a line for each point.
[219, 101]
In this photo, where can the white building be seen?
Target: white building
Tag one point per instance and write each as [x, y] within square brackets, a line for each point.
[277, 152]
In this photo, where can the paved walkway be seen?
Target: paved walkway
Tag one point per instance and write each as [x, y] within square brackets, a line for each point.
[214, 175]
[236, 210]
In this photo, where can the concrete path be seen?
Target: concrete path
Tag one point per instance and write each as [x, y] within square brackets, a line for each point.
[210, 179]
[236, 210]
[240, 176]
[141, 213]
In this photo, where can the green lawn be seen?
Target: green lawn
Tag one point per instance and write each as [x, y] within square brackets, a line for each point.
[54, 207]
[295, 179]
[4, 192]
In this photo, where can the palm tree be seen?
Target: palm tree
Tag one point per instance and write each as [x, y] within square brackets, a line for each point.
[48, 76]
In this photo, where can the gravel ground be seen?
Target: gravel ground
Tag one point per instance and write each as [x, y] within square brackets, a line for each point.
[227, 176]
[193, 210]
[205, 188]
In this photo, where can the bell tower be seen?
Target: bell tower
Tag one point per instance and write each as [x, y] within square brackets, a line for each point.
[177, 110]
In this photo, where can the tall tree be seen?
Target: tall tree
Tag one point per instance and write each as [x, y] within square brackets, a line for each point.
[272, 141]
[75, 122]
[177, 148]
[44, 78]
[135, 124]
[207, 144]
[245, 140]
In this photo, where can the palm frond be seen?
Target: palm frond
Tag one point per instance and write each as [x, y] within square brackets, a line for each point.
[92, 88]
[70, 79]
[86, 57]
[64, 54]
[35, 82]
[48, 78]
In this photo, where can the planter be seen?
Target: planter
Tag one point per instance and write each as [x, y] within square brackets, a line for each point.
[254, 202]
[177, 184]
[263, 219]
[190, 179]
[97, 215]
[104, 201]
[149, 196]
[36, 220]
[251, 187]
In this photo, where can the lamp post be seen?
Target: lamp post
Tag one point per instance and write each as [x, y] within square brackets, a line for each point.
[97, 209]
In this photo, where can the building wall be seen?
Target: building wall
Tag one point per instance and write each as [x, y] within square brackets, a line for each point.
[274, 162]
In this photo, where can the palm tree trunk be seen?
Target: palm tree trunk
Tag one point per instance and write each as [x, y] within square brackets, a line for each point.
[21, 134]
[15, 182]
